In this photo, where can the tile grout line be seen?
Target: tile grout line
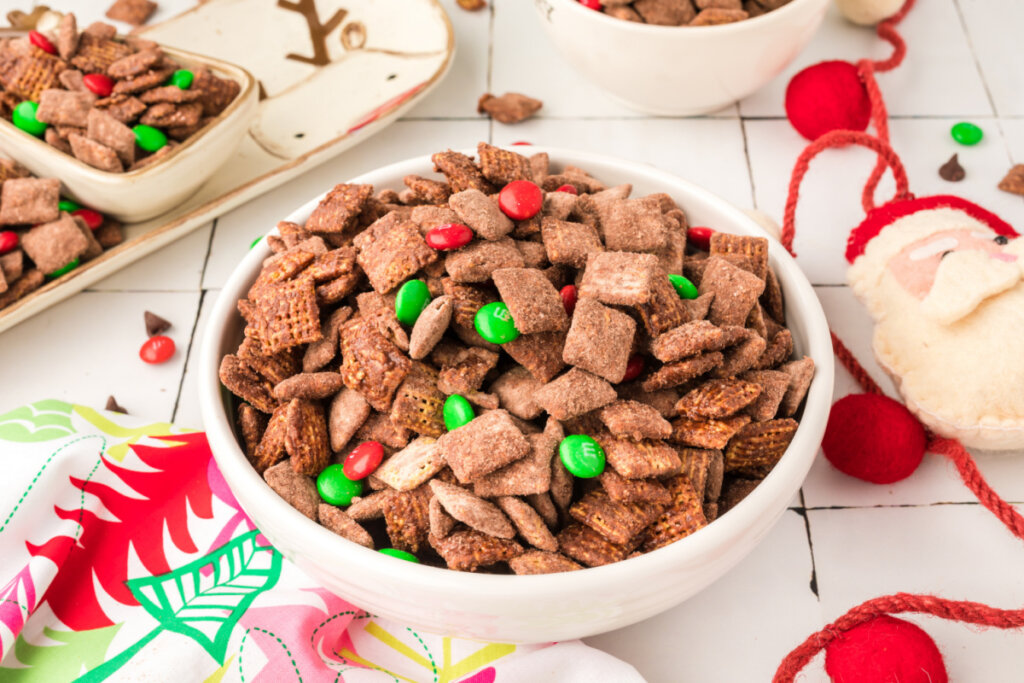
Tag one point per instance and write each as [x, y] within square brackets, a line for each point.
[750, 167]
[490, 65]
[813, 583]
[977, 64]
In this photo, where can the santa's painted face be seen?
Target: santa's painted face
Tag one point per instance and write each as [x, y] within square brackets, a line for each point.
[916, 265]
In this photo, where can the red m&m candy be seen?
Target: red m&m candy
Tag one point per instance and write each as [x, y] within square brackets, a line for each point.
[569, 295]
[99, 84]
[591, 4]
[157, 349]
[634, 367]
[8, 241]
[42, 42]
[363, 460]
[94, 219]
[571, 189]
[520, 200]
[700, 237]
[448, 236]
[522, 143]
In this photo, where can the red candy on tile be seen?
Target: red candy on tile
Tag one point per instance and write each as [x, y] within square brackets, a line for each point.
[99, 84]
[591, 4]
[571, 189]
[520, 200]
[569, 298]
[94, 219]
[699, 237]
[363, 460]
[448, 236]
[8, 241]
[42, 42]
[158, 349]
[634, 367]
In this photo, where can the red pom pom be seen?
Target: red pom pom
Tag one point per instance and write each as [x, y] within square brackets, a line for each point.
[873, 438]
[827, 96]
[884, 650]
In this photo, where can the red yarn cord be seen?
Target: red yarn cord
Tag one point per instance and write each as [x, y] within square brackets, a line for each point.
[837, 138]
[887, 31]
[880, 120]
[900, 603]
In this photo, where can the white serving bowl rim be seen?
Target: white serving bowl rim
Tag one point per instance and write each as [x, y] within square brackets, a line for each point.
[722, 29]
[324, 544]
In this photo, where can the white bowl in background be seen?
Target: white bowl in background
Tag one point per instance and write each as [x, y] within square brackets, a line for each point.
[161, 185]
[679, 70]
[511, 608]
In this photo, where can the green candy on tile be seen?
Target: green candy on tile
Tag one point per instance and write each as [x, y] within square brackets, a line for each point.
[966, 133]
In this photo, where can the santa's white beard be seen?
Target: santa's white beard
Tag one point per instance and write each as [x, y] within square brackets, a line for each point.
[963, 380]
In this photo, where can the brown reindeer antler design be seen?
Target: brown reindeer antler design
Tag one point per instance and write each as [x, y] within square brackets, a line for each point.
[318, 32]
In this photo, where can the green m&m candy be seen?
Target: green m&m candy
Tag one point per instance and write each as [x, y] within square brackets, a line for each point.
[337, 489]
[966, 133]
[494, 323]
[255, 241]
[456, 412]
[412, 298]
[68, 205]
[24, 117]
[582, 456]
[684, 288]
[400, 554]
[149, 138]
[64, 269]
[182, 78]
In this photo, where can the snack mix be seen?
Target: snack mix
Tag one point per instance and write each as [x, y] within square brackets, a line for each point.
[114, 104]
[513, 368]
[684, 12]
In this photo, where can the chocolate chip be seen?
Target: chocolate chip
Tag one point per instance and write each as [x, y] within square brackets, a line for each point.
[952, 170]
[155, 324]
[113, 406]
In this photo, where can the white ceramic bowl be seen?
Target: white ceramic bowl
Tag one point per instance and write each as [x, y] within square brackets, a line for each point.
[679, 70]
[527, 608]
[156, 187]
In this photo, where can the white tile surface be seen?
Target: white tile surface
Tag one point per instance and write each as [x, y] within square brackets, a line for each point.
[176, 267]
[993, 28]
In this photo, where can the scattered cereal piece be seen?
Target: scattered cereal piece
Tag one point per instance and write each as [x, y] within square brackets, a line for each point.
[134, 12]
[509, 108]
[1013, 182]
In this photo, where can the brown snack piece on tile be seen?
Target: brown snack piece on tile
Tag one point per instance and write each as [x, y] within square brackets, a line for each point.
[285, 315]
[758, 446]
[95, 154]
[154, 323]
[774, 385]
[461, 172]
[502, 166]
[528, 522]
[64, 107]
[573, 394]
[372, 365]
[244, 382]
[441, 523]
[515, 389]
[532, 300]
[665, 12]
[338, 521]
[430, 327]
[471, 510]
[590, 548]
[616, 277]
[31, 280]
[467, 551]
[107, 130]
[540, 562]
[407, 518]
[689, 339]
[419, 403]
[465, 372]
[634, 225]
[413, 465]
[569, 243]
[478, 260]
[639, 459]
[309, 385]
[55, 244]
[800, 373]
[707, 434]
[635, 420]
[390, 252]
[713, 16]
[526, 476]
[427, 190]
[734, 491]
[512, 107]
[296, 489]
[952, 171]
[679, 372]
[755, 249]
[134, 12]
[600, 339]
[306, 437]
[113, 407]
[624, 490]
[683, 517]
[339, 211]
[484, 444]
[67, 36]
[321, 352]
[1013, 181]
[718, 398]
[617, 522]
[736, 291]
[29, 200]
